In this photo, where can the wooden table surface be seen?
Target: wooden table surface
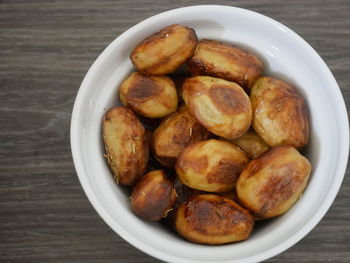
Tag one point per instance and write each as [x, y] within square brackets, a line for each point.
[46, 47]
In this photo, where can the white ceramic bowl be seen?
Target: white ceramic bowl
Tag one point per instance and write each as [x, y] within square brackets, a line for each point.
[286, 56]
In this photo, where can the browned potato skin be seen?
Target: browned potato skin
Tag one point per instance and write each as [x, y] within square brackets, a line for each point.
[212, 219]
[271, 184]
[126, 145]
[216, 59]
[211, 166]
[174, 134]
[280, 115]
[149, 96]
[252, 144]
[219, 105]
[163, 52]
[153, 196]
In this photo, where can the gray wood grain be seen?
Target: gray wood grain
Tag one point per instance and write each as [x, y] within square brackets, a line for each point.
[46, 47]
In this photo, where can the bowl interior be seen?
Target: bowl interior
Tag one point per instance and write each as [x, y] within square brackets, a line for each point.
[286, 56]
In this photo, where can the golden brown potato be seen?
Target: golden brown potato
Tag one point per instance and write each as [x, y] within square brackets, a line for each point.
[174, 134]
[164, 51]
[211, 165]
[126, 145]
[149, 96]
[153, 196]
[270, 185]
[280, 116]
[219, 105]
[252, 144]
[216, 59]
[212, 219]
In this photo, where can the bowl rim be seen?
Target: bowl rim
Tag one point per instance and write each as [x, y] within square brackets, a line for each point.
[98, 206]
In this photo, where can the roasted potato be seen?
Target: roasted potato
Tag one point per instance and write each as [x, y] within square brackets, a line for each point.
[153, 196]
[219, 105]
[216, 59]
[164, 51]
[271, 184]
[212, 219]
[211, 165]
[280, 115]
[126, 145]
[149, 96]
[252, 144]
[174, 134]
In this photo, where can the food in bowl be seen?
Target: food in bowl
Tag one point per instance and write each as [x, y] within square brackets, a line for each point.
[126, 145]
[219, 105]
[212, 219]
[164, 51]
[153, 196]
[280, 113]
[149, 96]
[174, 133]
[252, 144]
[271, 184]
[211, 166]
[216, 104]
[216, 59]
